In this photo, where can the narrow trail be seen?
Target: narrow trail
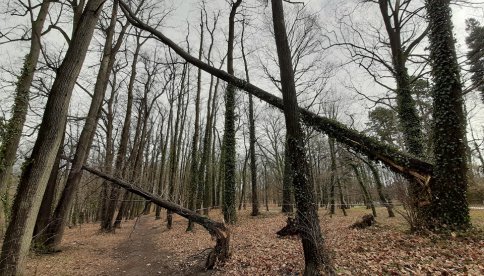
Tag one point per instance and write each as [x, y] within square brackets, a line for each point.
[139, 254]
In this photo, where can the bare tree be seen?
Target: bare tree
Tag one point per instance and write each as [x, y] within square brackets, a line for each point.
[39, 165]
[252, 139]
[59, 219]
[13, 128]
[316, 255]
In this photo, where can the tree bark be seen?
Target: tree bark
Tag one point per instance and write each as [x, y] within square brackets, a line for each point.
[39, 165]
[316, 256]
[287, 188]
[194, 190]
[61, 213]
[13, 128]
[40, 235]
[449, 207]
[230, 214]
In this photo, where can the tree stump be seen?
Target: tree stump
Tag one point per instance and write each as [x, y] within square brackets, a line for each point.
[364, 222]
[290, 229]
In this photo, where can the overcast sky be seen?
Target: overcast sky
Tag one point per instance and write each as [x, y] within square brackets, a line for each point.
[188, 10]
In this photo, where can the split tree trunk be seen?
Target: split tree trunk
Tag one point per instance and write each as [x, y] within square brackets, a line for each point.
[252, 139]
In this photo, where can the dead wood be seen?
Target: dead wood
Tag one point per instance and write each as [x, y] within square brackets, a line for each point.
[290, 229]
[217, 230]
[364, 222]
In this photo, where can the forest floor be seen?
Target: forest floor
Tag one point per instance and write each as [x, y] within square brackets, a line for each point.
[146, 247]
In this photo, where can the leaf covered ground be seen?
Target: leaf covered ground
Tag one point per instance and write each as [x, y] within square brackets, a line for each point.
[146, 247]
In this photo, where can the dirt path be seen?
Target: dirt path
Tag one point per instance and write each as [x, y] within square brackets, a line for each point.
[140, 254]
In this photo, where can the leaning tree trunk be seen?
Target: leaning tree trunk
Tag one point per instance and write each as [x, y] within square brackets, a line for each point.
[398, 161]
[61, 213]
[217, 230]
[13, 129]
[40, 235]
[316, 255]
[449, 207]
[38, 166]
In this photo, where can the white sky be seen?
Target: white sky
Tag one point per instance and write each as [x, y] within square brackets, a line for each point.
[188, 10]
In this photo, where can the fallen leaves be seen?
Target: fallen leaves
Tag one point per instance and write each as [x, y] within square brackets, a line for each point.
[256, 250]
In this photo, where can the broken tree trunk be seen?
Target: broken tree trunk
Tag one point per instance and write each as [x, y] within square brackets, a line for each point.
[396, 160]
[218, 230]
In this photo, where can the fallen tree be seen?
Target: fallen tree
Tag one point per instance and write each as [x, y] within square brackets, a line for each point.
[217, 230]
[393, 158]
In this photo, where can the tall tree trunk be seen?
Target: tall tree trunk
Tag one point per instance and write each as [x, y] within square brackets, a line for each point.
[334, 176]
[316, 256]
[230, 215]
[38, 166]
[194, 189]
[13, 129]
[61, 213]
[161, 179]
[174, 147]
[244, 180]
[206, 171]
[449, 207]
[109, 156]
[252, 139]
[120, 164]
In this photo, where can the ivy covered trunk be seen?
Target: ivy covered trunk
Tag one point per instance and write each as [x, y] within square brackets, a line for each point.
[13, 130]
[449, 207]
[410, 122]
[287, 189]
[316, 256]
[230, 215]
